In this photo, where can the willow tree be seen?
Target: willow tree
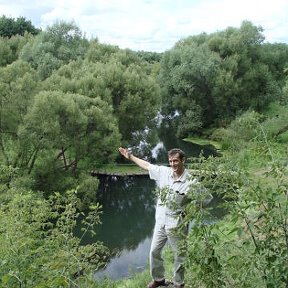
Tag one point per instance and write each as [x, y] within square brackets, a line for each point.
[67, 133]
[209, 79]
[18, 85]
[118, 77]
[58, 45]
[11, 47]
[187, 76]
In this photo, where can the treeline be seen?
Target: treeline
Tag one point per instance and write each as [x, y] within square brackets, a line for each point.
[210, 79]
[68, 102]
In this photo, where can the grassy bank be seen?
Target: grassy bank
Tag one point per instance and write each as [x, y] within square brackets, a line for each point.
[204, 142]
[139, 280]
[119, 169]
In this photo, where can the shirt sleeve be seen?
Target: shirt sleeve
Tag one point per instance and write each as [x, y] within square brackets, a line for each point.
[154, 172]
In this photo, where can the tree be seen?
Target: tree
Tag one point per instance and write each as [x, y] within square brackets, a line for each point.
[275, 56]
[11, 47]
[58, 45]
[5, 53]
[18, 83]
[119, 78]
[66, 134]
[10, 27]
[150, 57]
[187, 75]
[222, 73]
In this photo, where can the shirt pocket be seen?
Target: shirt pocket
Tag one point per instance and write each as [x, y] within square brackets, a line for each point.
[179, 198]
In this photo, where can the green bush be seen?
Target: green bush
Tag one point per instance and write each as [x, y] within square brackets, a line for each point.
[243, 129]
[37, 244]
[86, 191]
[249, 247]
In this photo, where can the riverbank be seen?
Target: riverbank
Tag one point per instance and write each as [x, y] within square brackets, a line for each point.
[140, 280]
[205, 142]
[119, 170]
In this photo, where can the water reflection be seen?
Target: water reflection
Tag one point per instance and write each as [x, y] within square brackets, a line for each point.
[128, 262]
[169, 141]
[128, 211]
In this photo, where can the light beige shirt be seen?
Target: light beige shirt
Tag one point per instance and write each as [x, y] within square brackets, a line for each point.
[169, 213]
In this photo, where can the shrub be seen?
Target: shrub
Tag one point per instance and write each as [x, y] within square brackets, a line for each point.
[37, 244]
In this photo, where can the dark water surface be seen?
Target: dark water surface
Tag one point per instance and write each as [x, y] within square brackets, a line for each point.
[127, 223]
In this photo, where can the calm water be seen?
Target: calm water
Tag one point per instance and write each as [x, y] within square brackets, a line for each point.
[127, 223]
[128, 214]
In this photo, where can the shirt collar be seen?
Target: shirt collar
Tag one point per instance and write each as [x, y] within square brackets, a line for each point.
[182, 178]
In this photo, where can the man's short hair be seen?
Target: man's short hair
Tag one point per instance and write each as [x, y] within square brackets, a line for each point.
[176, 151]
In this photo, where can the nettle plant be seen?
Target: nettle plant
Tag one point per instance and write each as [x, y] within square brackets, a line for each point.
[249, 246]
[38, 246]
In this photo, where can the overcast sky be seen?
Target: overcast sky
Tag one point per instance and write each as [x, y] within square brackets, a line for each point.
[153, 25]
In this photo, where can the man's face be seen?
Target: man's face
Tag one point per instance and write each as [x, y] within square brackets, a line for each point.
[176, 163]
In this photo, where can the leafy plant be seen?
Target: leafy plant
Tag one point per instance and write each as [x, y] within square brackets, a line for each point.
[38, 247]
[249, 247]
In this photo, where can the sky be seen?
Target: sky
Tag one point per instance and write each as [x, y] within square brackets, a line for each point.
[153, 25]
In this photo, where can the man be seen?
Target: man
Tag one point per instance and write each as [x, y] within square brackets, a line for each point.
[175, 180]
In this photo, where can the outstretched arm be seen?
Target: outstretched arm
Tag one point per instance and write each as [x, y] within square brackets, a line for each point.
[128, 155]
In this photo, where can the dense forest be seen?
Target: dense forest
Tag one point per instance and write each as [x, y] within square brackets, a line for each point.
[68, 103]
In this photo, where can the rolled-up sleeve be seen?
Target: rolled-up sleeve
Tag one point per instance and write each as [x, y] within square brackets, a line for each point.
[160, 174]
[154, 172]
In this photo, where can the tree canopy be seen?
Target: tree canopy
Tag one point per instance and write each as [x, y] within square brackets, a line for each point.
[213, 77]
[58, 45]
[10, 26]
[68, 102]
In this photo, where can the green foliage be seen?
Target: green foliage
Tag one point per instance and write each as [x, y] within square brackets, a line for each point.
[7, 175]
[243, 129]
[61, 134]
[18, 84]
[187, 74]
[249, 247]
[275, 55]
[251, 126]
[99, 52]
[150, 57]
[222, 73]
[118, 78]
[38, 247]
[285, 92]
[11, 47]
[135, 93]
[10, 26]
[5, 53]
[58, 45]
[276, 121]
[86, 191]
[191, 121]
[67, 132]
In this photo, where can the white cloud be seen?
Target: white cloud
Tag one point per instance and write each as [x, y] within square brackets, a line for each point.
[154, 25]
